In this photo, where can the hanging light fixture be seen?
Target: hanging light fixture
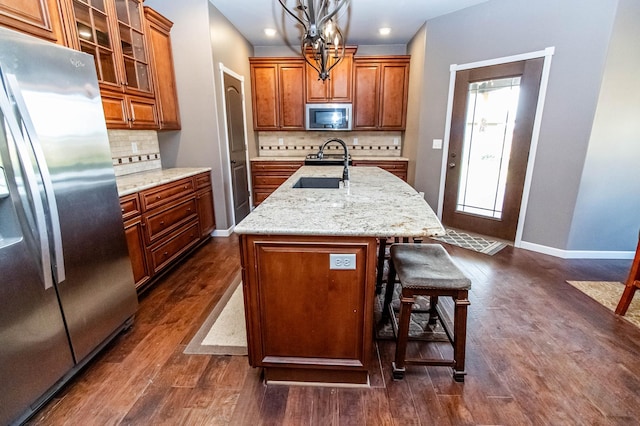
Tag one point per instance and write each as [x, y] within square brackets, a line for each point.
[322, 41]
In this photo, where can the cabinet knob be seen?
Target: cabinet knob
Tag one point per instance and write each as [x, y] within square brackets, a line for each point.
[157, 197]
[165, 253]
[162, 222]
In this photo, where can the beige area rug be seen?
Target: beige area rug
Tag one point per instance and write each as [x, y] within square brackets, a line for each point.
[608, 294]
[224, 331]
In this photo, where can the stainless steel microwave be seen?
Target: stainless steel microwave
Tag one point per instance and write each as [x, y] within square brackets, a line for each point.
[328, 117]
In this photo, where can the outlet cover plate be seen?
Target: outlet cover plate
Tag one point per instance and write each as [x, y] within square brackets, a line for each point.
[342, 261]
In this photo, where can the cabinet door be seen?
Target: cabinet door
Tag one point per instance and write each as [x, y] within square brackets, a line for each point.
[205, 212]
[264, 79]
[115, 110]
[291, 85]
[143, 113]
[95, 36]
[164, 79]
[137, 253]
[40, 18]
[366, 95]
[135, 59]
[394, 82]
[338, 88]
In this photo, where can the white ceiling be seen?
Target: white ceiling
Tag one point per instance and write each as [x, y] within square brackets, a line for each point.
[359, 23]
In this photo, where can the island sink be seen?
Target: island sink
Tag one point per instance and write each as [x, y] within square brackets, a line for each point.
[317, 182]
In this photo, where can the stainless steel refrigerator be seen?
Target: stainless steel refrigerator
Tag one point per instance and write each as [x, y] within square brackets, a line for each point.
[66, 285]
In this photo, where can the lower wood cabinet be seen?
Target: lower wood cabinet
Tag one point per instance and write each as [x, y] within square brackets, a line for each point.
[165, 222]
[268, 175]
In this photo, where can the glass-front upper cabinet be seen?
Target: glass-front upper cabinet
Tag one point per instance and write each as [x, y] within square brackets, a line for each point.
[113, 32]
[134, 54]
[92, 24]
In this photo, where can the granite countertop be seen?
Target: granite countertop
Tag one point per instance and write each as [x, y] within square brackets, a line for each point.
[353, 157]
[377, 203]
[129, 184]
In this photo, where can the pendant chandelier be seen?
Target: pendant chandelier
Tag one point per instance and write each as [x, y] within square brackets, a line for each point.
[322, 41]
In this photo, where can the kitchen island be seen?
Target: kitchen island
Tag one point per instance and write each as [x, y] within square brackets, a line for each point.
[309, 259]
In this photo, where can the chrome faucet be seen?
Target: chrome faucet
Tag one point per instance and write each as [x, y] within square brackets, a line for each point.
[345, 171]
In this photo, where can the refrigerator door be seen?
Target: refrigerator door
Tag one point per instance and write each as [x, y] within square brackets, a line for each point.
[34, 348]
[55, 92]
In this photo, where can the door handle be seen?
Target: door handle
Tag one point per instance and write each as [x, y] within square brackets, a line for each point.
[47, 182]
[452, 165]
[233, 161]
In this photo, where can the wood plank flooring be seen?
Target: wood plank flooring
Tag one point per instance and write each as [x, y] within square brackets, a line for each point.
[539, 353]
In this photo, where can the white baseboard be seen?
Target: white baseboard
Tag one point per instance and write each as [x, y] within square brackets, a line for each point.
[222, 232]
[576, 254]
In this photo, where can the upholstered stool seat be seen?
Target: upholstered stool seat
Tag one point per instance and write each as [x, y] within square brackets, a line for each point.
[427, 270]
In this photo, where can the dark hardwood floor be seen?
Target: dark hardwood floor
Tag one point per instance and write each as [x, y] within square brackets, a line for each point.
[539, 352]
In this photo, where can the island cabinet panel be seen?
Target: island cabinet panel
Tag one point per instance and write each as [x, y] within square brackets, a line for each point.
[306, 321]
[268, 175]
[164, 222]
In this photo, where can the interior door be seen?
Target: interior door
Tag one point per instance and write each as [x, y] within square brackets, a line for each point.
[492, 123]
[237, 147]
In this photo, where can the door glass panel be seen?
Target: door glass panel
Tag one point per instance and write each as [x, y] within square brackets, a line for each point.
[490, 119]
[130, 69]
[83, 21]
[134, 15]
[143, 77]
[121, 10]
[138, 47]
[125, 40]
[98, 4]
[107, 66]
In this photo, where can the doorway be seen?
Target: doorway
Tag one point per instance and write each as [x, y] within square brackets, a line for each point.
[236, 139]
[492, 124]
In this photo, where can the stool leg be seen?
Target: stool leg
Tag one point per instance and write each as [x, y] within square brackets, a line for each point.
[382, 243]
[433, 311]
[406, 303]
[388, 294]
[460, 336]
[625, 299]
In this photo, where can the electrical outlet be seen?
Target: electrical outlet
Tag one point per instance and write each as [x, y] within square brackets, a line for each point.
[134, 147]
[342, 261]
[437, 144]
[280, 141]
[355, 141]
[396, 141]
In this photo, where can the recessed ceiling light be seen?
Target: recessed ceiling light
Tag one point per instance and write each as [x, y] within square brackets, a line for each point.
[384, 31]
[270, 32]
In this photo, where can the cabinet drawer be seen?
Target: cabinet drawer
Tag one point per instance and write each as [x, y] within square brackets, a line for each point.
[161, 222]
[163, 194]
[275, 166]
[203, 180]
[264, 180]
[130, 205]
[165, 252]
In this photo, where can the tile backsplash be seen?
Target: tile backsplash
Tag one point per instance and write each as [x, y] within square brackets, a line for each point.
[296, 144]
[134, 151]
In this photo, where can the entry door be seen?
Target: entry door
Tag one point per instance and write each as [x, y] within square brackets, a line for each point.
[492, 123]
[237, 148]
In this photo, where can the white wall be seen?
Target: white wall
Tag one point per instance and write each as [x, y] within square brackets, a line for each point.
[201, 38]
[607, 213]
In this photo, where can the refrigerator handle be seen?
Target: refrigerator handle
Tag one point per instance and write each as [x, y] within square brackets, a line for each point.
[36, 146]
[31, 184]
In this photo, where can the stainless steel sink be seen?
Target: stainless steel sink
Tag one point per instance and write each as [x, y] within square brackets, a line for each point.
[317, 182]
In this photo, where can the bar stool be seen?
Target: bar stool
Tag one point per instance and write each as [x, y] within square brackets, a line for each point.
[427, 270]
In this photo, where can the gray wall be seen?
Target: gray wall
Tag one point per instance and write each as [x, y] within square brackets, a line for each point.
[415, 101]
[580, 30]
[201, 38]
[607, 213]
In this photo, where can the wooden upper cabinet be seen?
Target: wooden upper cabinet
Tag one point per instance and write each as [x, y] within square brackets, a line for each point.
[164, 80]
[40, 18]
[380, 93]
[277, 93]
[338, 88]
[113, 32]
